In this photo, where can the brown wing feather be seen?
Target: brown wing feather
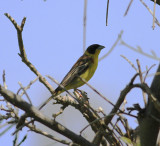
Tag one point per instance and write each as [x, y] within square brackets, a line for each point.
[78, 68]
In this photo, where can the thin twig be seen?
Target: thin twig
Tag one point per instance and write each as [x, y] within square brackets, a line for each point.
[142, 81]
[126, 12]
[114, 45]
[4, 79]
[125, 125]
[25, 92]
[92, 123]
[123, 105]
[29, 85]
[60, 112]
[84, 24]
[146, 89]
[32, 128]
[156, 20]
[52, 97]
[148, 72]
[154, 74]
[23, 55]
[98, 137]
[97, 92]
[51, 78]
[107, 12]
[154, 9]
[130, 63]
[140, 51]
[117, 129]
[120, 100]
[128, 114]
[26, 123]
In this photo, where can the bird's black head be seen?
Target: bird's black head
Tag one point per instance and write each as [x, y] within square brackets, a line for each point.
[92, 48]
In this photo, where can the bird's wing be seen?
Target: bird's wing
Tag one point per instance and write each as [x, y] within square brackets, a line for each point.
[78, 68]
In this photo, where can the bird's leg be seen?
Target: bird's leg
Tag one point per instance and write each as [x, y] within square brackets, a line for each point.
[82, 95]
[78, 92]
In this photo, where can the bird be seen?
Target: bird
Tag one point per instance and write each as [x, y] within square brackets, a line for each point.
[84, 68]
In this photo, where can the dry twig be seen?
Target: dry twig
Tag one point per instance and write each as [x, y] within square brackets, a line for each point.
[154, 10]
[23, 55]
[126, 12]
[107, 12]
[84, 24]
[156, 20]
[142, 81]
[114, 45]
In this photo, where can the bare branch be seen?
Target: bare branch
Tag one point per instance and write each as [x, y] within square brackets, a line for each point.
[120, 100]
[114, 45]
[98, 137]
[148, 72]
[90, 124]
[146, 89]
[97, 92]
[154, 10]
[32, 128]
[23, 53]
[156, 20]
[130, 63]
[130, 3]
[4, 79]
[52, 97]
[29, 85]
[51, 78]
[139, 51]
[142, 81]
[25, 92]
[107, 12]
[84, 24]
[38, 116]
[60, 112]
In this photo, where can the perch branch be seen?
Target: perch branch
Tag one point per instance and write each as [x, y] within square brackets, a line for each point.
[41, 118]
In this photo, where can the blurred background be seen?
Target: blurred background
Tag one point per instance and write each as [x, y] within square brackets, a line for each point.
[53, 39]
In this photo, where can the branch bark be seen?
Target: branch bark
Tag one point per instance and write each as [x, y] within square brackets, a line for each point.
[148, 126]
[41, 118]
[158, 1]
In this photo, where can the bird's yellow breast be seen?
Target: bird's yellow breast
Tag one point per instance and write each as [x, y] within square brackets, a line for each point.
[87, 75]
[90, 71]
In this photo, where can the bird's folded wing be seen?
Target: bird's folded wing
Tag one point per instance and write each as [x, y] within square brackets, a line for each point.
[78, 68]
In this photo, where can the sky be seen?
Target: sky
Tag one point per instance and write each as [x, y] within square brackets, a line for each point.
[53, 39]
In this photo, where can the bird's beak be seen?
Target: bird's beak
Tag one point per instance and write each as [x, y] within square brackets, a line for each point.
[101, 47]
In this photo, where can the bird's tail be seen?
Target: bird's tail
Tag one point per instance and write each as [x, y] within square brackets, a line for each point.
[56, 92]
[45, 102]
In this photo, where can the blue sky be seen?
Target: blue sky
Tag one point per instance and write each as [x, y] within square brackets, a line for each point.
[53, 39]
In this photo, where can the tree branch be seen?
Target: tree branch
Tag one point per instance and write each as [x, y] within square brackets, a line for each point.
[120, 100]
[158, 1]
[23, 52]
[38, 116]
[148, 126]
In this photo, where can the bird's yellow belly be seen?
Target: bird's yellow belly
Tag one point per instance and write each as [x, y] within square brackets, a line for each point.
[77, 82]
